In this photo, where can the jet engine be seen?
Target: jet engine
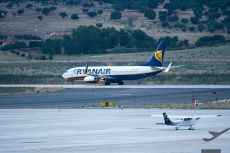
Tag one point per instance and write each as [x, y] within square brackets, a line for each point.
[90, 79]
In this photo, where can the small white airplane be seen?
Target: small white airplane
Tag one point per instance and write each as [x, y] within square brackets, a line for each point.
[183, 121]
[117, 74]
[178, 122]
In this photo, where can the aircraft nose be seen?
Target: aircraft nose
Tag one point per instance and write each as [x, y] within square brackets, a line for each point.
[64, 75]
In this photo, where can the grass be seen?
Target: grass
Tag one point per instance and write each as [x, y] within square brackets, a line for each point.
[207, 65]
[207, 105]
[16, 89]
[27, 90]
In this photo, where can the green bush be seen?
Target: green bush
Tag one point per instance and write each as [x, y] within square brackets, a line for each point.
[74, 16]
[210, 41]
[92, 14]
[149, 14]
[115, 15]
[63, 14]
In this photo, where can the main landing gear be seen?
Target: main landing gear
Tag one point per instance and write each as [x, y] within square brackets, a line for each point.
[119, 82]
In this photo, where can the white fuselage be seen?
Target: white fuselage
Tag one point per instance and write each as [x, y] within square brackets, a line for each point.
[184, 122]
[112, 71]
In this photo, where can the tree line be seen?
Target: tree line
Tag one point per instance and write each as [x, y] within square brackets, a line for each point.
[95, 40]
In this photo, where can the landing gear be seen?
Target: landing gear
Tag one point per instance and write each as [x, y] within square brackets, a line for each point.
[191, 128]
[107, 83]
[120, 83]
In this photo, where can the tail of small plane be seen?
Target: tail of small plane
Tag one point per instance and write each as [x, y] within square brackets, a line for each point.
[166, 119]
[158, 56]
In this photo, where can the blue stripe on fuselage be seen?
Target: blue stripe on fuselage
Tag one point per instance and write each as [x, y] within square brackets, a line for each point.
[134, 76]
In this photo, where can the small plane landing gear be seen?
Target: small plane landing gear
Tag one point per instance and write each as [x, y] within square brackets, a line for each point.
[120, 83]
[191, 128]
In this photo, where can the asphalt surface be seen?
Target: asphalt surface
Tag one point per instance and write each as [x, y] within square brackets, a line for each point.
[88, 97]
[107, 130]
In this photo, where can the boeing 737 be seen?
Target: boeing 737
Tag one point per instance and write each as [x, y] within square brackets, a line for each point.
[117, 74]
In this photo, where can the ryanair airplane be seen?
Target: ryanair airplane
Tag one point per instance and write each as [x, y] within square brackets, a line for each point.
[117, 74]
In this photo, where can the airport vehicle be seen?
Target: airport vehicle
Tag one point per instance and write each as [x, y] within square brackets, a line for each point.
[182, 121]
[117, 74]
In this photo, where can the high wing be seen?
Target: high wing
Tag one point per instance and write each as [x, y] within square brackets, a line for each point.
[181, 117]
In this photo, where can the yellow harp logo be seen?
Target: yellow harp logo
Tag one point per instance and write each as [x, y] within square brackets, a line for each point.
[158, 55]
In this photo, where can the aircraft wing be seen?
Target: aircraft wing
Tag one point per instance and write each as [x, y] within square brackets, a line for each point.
[101, 77]
[214, 133]
[179, 117]
[160, 123]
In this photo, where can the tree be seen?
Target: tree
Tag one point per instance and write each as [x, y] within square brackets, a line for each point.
[52, 47]
[84, 36]
[92, 14]
[163, 15]
[184, 21]
[38, 9]
[29, 6]
[173, 18]
[99, 11]
[9, 5]
[20, 11]
[40, 17]
[33, 44]
[63, 14]
[72, 2]
[74, 16]
[150, 14]
[45, 11]
[123, 37]
[194, 20]
[210, 41]
[115, 15]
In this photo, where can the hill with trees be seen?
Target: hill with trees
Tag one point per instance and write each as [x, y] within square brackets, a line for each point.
[107, 24]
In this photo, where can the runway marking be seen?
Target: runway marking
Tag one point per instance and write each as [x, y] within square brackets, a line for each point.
[117, 86]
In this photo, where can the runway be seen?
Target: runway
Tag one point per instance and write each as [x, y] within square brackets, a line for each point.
[98, 86]
[107, 130]
[90, 97]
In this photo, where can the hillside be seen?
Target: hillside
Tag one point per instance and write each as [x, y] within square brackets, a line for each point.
[185, 21]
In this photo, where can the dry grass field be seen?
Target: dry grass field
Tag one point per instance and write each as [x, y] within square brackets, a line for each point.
[207, 65]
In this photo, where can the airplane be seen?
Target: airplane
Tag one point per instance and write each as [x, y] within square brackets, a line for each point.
[215, 134]
[182, 121]
[179, 122]
[117, 74]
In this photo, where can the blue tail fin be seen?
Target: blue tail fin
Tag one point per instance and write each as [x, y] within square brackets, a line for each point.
[158, 56]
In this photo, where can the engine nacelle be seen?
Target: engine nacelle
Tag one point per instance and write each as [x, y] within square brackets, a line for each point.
[90, 79]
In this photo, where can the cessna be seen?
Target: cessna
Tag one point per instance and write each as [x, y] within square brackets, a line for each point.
[117, 74]
[182, 121]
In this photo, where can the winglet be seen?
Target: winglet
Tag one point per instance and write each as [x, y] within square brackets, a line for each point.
[168, 67]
